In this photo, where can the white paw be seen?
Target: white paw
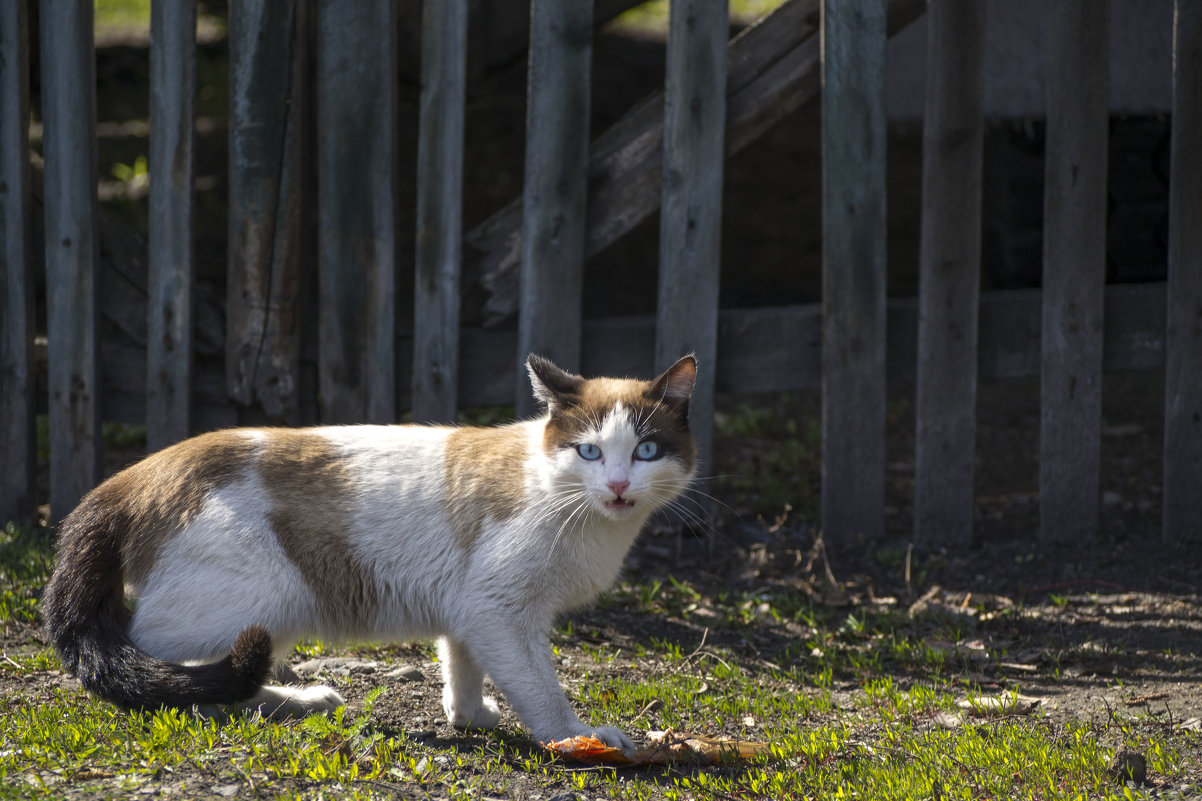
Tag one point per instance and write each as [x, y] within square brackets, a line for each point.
[281, 703]
[485, 716]
[613, 737]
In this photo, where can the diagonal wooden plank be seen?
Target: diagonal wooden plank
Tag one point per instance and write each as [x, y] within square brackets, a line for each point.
[773, 70]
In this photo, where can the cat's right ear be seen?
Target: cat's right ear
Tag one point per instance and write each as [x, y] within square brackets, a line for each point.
[553, 387]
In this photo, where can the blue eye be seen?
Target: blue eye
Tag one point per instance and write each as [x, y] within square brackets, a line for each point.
[647, 450]
[589, 452]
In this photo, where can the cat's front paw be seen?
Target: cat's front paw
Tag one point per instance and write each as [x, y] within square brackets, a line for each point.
[613, 737]
[486, 715]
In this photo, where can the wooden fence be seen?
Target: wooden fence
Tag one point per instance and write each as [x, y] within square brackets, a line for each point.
[383, 345]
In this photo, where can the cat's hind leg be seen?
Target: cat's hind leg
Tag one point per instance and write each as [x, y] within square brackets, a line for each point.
[281, 702]
[463, 696]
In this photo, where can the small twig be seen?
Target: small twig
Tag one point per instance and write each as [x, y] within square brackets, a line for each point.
[1065, 585]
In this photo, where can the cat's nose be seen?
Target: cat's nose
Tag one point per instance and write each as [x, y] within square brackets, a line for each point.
[618, 486]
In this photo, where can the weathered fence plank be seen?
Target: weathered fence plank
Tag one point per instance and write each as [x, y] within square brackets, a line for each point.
[770, 349]
[356, 101]
[853, 269]
[1074, 268]
[69, 144]
[556, 189]
[439, 210]
[773, 69]
[1183, 352]
[949, 265]
[691, 219]
[268, 241]
[18, 397]
[169, 284]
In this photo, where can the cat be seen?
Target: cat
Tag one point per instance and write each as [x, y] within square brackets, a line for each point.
[234, 544]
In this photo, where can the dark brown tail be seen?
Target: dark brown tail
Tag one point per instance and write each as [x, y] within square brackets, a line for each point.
[84, 612]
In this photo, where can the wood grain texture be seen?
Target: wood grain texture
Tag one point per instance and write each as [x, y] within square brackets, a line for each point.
[555, 192]
[269, 243]
[773, 69]
[439, 211]
[18, 398]
[73, 320]
[1183, 352]
[853, 270]
[356, 107]
[691, 207]
[170, 274]
[949, 273]
[1074, 269]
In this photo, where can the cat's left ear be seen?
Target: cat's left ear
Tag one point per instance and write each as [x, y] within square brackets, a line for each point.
[553, 386]
[674, 386]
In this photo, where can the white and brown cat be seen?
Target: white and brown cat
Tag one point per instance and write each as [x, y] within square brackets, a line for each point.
[231, 546]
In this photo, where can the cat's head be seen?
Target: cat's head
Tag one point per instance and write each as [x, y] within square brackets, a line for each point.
[619, 446]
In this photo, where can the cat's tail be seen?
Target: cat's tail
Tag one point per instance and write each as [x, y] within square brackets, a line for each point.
[84, 613]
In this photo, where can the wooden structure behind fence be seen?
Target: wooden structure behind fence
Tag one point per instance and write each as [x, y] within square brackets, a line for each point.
[387, 339]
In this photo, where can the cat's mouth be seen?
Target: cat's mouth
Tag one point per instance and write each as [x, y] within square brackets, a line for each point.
[619, 503]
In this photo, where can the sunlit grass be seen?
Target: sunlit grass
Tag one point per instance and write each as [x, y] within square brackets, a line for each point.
[652, 17]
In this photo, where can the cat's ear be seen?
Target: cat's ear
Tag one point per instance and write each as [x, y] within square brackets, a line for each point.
[552, 386]
[674, 386]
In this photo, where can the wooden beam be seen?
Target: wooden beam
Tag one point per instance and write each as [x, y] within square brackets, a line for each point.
[690, 233]
[1183, 355]
[356, 143]
[18, 396]
[169, 308]
[853, 270]
[949, 273]
[269, 242]
[768, 349]
[69, 145]
[555, 192]
[773, 70]
[439, 211]
[1074, 269]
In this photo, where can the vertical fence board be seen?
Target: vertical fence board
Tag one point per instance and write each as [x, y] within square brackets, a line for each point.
[691, 208]
[1074, 269]
[853, 269]
[267, 237]
[439, 210]
[73, 353]
[949, 269]
[169, 283]
[556, 190]
[356, 209]
[1183, 342]
[18, 402]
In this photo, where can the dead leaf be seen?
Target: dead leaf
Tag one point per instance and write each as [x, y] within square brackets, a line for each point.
[666, 748]
[1005, 704]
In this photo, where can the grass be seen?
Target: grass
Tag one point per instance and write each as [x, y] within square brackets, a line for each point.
[854, 701]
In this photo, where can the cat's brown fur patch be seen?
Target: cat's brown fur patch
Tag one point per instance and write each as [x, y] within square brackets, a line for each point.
[311, 504]
[157, 497]
[599, 396]
[484, 471]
